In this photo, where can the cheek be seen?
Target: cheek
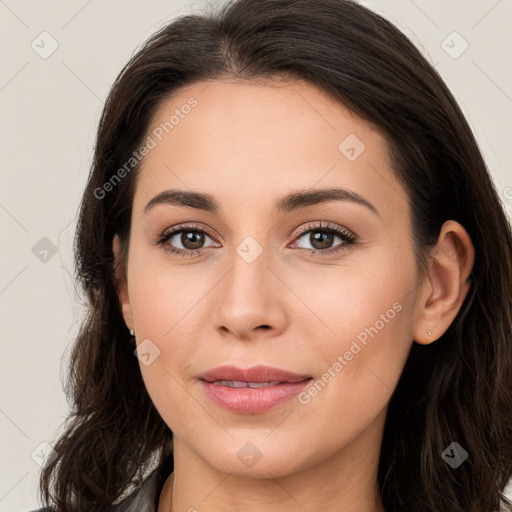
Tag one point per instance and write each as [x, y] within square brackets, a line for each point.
[366, 325]
[166, 306]
[163, 298]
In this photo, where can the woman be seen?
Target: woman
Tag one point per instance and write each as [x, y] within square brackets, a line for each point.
[290, 224]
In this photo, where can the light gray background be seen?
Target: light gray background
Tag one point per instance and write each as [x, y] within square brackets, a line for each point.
[49, 113]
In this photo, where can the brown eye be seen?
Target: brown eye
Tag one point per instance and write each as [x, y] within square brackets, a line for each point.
[185, 240]
[322, 238]
[192, 239]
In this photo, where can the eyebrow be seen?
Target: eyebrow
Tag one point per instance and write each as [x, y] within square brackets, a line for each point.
[288, 203]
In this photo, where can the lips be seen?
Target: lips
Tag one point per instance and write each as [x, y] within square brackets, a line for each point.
[234, 376]
[251, 390]
[241, 384]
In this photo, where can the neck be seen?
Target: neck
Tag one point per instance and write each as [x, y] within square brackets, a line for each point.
[165, 503]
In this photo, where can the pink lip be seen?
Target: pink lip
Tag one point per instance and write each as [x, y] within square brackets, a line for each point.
[255, 374]
[251, 400]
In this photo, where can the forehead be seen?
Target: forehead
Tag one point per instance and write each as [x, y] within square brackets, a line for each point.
[240, 140]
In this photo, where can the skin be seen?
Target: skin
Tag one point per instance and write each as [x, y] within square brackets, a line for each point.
[248, 144]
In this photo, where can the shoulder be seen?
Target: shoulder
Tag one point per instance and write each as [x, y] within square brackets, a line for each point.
[139, 500]
[144, 498]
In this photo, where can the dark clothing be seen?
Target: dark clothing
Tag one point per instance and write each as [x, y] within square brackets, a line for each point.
[144, 499]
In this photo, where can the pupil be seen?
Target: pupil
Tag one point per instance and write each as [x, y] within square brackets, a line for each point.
[324, 239]
[192, 239]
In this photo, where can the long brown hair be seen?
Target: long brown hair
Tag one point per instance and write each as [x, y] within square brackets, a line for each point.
[458, 388]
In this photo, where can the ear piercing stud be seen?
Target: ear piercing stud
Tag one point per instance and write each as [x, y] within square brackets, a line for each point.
[429, 332]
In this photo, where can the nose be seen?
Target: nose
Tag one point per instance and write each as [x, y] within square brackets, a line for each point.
[250, 299]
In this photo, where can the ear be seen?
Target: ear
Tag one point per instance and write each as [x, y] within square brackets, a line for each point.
[121, 282]
[447, 285]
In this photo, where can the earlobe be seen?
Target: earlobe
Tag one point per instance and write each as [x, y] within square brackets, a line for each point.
[448, 283]
[120, 279]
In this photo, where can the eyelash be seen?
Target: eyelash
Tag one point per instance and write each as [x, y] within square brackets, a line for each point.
[347, 237]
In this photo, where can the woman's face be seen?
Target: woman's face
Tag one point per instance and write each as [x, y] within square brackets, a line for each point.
[262, 281]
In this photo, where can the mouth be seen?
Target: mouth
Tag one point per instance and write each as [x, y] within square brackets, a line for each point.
[242, 384]
[251, 391]
[235, 376]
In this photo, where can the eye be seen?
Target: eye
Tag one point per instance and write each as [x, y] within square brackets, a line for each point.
[190, 237]
[321, 237]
